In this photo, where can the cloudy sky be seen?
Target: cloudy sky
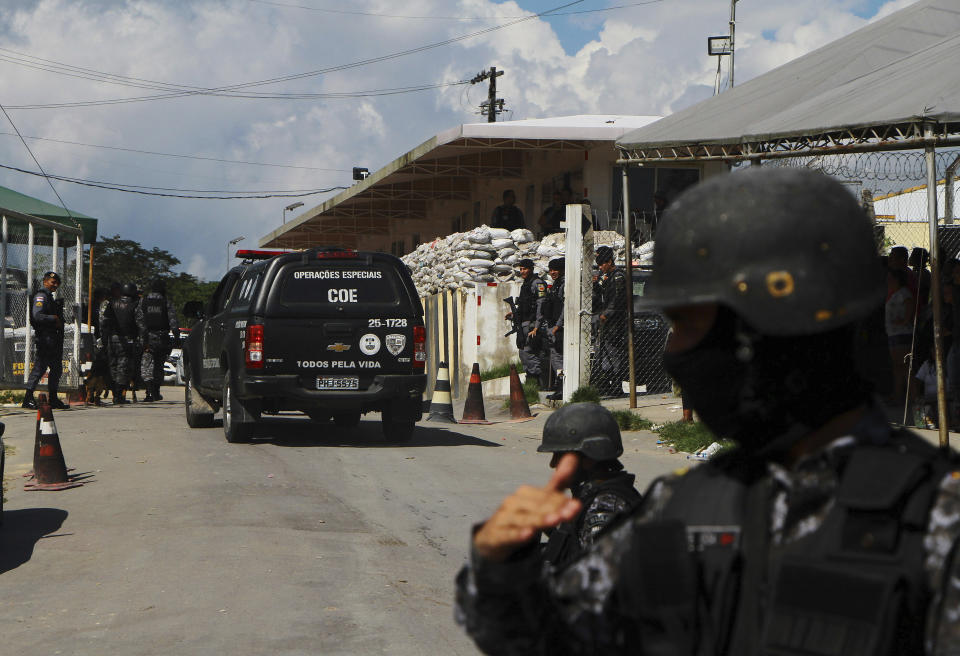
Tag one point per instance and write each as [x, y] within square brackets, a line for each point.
[57, 57]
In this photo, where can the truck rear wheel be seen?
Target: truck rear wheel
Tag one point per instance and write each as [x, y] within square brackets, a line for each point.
[237, 424]
[196, 417]
[397, 430]
[346, 419]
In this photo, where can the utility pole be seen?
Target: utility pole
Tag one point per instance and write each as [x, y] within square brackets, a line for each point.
[733, 25]
[493, 105]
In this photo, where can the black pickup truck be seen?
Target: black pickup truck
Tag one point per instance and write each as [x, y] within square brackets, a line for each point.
[328, 332]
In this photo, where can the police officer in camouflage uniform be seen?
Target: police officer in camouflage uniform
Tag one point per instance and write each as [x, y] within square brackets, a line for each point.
[118, 325]
[601, 485]
[611, 361]
[554, 324]
[533, 293]
[156, 320]
[46, 317]
[825, 531]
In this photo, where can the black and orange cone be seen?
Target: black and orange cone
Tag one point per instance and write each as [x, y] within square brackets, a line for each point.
[49, 467]
[441, 405]
[473, 412]
[519, 408]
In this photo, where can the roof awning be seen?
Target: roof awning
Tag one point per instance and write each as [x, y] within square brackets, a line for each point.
[442, 168]
[873, 89]
[14, 200]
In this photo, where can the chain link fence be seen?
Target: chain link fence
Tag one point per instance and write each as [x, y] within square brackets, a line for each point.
[29, 247]
[895, 347]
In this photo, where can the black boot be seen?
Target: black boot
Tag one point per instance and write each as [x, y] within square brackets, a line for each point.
[557, 390]
[56, 403]
[28, 401]
[118, 396]
[156, 392]
[149, 398]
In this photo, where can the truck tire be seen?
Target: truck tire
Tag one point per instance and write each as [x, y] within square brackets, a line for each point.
[319, 416]
[196, 418]
[397, 430]
[237, 423]
[346, 419]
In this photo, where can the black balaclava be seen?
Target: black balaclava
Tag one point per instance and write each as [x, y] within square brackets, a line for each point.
[755, 388]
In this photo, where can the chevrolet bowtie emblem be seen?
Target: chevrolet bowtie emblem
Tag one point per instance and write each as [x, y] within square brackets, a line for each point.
[339, 347]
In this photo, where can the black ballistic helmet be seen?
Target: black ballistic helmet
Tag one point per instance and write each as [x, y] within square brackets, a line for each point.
[789, 250]
[129, 289]
[586, 428]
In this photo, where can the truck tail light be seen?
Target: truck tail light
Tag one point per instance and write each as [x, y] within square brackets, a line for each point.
[253, 353]
[419, 347]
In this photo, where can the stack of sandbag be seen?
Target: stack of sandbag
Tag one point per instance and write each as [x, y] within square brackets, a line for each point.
[485, 254]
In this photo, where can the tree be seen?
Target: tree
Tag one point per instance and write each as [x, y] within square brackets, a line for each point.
[124, 260]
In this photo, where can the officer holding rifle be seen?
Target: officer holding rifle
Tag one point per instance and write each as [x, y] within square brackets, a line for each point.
[529, 315]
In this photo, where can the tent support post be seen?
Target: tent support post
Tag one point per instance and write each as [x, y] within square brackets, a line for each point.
[931, 161]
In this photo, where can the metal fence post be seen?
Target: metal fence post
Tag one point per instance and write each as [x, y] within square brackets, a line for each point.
[628, 251]
[3, 301]
[27, 333]
[931, 162]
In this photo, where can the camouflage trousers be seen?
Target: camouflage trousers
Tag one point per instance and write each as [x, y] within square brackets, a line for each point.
[124, 355]
[155, 352]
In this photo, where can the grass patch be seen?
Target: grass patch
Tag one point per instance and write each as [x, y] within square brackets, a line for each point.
[11, 396]
[500, 371]
[631, 421]
[690, 437]
[585, 394]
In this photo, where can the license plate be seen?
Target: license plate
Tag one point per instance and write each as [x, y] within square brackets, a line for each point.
[338, 383]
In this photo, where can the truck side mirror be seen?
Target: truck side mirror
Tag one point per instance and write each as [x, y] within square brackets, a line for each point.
[193, 310]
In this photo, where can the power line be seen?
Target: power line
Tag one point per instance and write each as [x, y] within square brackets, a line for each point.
[353, 12]
[39, 166]
[186, 90]
[159, 191]
[197, 157]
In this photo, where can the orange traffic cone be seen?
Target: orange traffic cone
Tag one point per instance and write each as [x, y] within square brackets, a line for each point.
[473, 412]
[49, 467]
[519, 408]
[441, 405]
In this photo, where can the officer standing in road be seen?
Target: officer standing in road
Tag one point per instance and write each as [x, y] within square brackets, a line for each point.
[601, 485]
[118, 324]
[533, 293]
[825, 531]
[156, 320]
[46, 317]
[554, 321]
[612, 325]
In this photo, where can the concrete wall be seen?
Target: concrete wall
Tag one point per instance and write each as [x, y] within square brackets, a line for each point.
[467, 326]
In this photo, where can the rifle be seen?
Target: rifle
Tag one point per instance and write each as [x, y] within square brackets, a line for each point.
[517, 324]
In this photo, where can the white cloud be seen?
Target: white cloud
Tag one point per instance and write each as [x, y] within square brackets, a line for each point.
[645, 60]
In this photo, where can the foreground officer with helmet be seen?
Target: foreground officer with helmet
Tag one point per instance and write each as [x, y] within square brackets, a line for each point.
[46, 317]
[825, 532]
[604, 490]
[156, 319]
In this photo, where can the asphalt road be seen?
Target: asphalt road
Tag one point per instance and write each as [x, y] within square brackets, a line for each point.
[306, 541]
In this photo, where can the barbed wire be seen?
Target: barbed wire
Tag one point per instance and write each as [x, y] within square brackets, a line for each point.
[896, 166]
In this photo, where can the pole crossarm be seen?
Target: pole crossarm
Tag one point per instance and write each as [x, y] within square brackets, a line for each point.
[899, 136]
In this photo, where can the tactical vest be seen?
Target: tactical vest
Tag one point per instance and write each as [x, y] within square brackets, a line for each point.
[527, 300]
[155, 312]
[49, 304]
[713, 585]
[564, 544]
[124, 311]
[556, 302]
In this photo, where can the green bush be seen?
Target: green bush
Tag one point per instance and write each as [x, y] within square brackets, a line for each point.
[11, 396]
[500, 371]
[631, 421]
[585, 394]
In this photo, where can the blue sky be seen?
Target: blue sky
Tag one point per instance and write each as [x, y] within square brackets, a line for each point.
[647, 60]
